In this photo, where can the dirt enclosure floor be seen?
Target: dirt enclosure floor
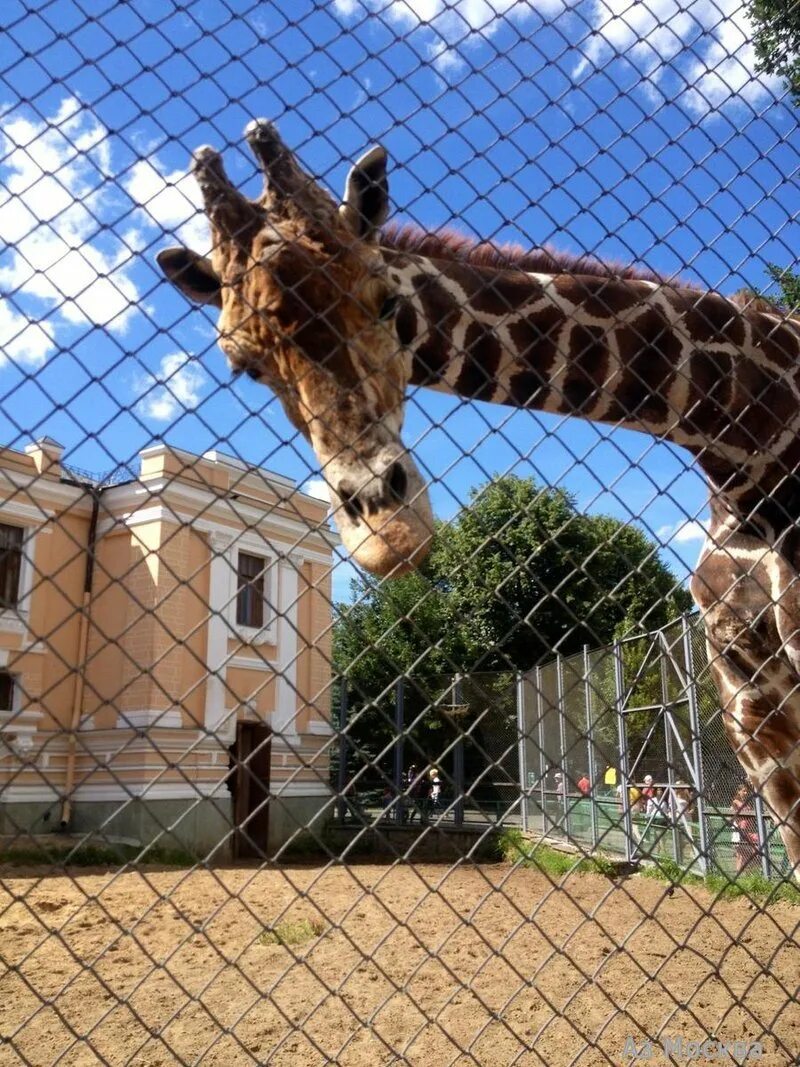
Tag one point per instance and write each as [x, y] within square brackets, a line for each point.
[420, 965]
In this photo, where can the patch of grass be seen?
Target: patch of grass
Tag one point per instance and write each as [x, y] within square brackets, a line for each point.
[296, 932]
[518, 849]
[665, 869]
[754, 886]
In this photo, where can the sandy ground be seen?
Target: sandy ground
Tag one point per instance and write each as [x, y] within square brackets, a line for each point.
[425, 965]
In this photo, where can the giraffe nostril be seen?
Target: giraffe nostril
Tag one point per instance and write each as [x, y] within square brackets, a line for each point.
[397, 481]
[353, 506]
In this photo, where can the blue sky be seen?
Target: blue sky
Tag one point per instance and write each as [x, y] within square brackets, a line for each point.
[636, 132]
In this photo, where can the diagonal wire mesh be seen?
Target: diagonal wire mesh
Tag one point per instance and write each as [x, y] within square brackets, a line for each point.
[319, 745]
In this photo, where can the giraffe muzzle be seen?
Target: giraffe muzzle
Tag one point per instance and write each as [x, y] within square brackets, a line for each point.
[382, 493]
[384, 516]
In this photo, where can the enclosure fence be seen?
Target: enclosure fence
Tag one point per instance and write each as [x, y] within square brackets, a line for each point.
[373, 375]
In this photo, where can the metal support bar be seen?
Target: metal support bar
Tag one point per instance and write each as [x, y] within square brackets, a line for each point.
[399, 746]
[562, 741]
[458, 760]
[763, 836]
[522, 751]
[671, 805]
[619, 699]
[542, 759]
[592, 769]
[342, 776]
[697, 749]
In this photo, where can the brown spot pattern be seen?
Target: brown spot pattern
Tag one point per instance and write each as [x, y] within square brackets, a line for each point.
[536, 338]
[778, 341]
[600, 298]
[441, 315]
[493, 292]
[710, 391]
[711, 319]
[649, 352]
[482, 351]
[588, 369]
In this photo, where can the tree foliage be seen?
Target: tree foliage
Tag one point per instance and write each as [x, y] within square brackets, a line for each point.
[518, 575]
[776, 40]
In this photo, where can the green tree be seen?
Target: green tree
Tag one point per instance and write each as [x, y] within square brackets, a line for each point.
[776, 39]
[518, 575]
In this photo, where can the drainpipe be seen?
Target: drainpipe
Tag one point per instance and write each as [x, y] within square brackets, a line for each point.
[80, 668]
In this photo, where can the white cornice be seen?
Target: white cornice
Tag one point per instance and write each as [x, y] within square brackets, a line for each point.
[251, 663]
[35, 486]
[31, 516]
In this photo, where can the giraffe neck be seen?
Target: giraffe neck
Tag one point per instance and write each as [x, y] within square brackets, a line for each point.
[689, 367]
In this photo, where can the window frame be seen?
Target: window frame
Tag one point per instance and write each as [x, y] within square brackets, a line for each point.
[16, 618]
[20, 551]
[14, 683]
[266, 633]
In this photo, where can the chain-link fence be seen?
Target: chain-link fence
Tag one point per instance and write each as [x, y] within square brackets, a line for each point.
[645, 704]
[352, 709]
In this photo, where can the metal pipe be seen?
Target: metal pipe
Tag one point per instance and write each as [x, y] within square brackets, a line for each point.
[592, 769]
[458, 760]
[542, 757]
[619, 699]
[562, 740]
[399, 748]
[81, 658]
[522, 735]
[342, 776]
[697, 749]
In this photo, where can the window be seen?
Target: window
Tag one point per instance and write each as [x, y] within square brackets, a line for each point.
[250, 594]
[10, 564]
[6, 691]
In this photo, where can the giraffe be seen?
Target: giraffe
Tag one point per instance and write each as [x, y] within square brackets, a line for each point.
[338, 314]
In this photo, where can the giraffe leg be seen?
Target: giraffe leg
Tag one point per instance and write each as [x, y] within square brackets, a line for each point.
[760, 694]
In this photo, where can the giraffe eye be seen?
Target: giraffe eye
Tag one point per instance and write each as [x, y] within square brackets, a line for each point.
[388, 308]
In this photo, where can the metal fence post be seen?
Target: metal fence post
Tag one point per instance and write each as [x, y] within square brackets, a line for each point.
[592, 769]
[522, 738]
[619, 702]
[697, 749]
[399, 746]
[763, 836]
[458, 760]
[562, 740]
[342, 776]
[542, 759]
[668, 721]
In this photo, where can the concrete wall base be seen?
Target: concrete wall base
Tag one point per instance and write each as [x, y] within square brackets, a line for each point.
[202, 827]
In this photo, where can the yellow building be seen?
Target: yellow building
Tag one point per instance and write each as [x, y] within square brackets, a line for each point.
[164, 652]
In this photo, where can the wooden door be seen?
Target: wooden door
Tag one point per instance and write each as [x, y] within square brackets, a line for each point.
[251, 792]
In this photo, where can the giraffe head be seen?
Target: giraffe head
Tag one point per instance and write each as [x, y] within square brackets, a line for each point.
[305, 307]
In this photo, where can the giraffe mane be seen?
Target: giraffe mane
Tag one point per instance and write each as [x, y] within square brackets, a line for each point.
[451, 245]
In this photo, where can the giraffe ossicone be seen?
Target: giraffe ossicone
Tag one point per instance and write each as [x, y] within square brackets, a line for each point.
[338, 315]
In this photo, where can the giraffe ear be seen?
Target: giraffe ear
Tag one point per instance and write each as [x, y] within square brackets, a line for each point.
[366, 195]
[192, 274]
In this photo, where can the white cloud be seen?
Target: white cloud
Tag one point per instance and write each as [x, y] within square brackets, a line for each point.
[706, 43]
[318, 488]
[697, 51]
[176, 387]
[170, 201]
[55, 191]
[683, 532]
[452, 23]
[22, 341]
